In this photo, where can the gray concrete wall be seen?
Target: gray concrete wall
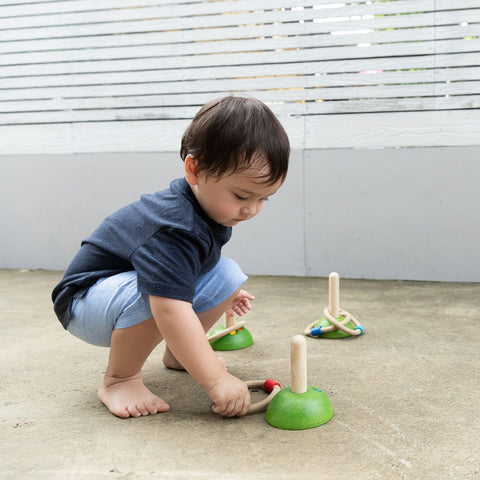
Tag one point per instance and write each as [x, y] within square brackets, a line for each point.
[408, 213]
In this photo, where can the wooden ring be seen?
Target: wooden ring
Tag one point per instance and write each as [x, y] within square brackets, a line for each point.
[225, 331]
[336, 325]
[259, 406]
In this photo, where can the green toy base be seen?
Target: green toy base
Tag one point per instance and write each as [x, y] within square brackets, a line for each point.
[299, 411]
[323, 322]
[241, 338]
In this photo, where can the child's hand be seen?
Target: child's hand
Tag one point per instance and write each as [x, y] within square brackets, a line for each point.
[241, 305]
[231, 396]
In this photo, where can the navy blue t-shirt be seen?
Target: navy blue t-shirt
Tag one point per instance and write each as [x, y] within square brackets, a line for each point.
[165, 237]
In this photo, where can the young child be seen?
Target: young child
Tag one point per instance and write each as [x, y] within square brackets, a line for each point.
[153, 269]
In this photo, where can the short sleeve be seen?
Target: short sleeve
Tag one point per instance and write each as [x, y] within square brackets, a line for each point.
[169, 263]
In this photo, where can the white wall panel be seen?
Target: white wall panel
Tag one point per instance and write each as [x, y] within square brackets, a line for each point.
[393, 214]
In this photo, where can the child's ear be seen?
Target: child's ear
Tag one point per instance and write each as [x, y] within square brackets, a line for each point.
[191, 169]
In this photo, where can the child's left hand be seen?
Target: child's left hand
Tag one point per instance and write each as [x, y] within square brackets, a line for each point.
[241, 305]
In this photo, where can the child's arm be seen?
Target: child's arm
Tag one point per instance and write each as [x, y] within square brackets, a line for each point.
[184, 335]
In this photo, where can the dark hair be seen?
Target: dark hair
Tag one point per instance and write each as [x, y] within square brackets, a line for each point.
[228, 134]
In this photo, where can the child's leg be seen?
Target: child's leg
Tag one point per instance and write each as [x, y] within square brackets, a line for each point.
[112, 313]
[122, 389]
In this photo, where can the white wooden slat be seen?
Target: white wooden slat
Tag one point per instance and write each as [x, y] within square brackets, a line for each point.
[70, 116]
[35, 7]
[218, 47]
[291, 88]
[123, 46]
[81, 10]
[194, 61]
[235, 85]
[222, 46]
[458, 88]
[458, 4]
[386, 130]
[400, 92]
[30, 7]
[457, 102]
[460, 46]
[226, 85]
[325, 22]
[144, 136]
[198, 99]
[41, 139]
[148, 136]
[116, 21]
[376, 92]
[268, 70]
[156, 51]
[173, 89]
[456, 74]
[145, 25]
[394, 105]
[187, 112]
[111, 103]
[404, 77]
[203, 13]
[158, 37]
[208, 13]
[332, 131]
[457, 60]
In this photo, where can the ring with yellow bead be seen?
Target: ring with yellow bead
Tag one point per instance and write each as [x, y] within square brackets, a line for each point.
[233, 336]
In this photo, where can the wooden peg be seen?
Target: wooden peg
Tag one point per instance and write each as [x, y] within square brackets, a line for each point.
[334, 294]
[229, 320]
[298, 364]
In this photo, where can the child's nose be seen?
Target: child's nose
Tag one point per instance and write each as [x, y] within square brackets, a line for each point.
[245, 212]
[251, 209]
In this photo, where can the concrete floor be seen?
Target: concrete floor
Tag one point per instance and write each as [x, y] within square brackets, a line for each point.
[406, 394]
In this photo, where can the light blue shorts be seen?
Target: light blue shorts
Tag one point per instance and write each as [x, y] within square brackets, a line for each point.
[114, 302]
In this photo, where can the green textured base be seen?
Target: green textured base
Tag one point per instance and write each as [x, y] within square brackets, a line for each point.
[299, 411]
[241, 338]
[323, 322]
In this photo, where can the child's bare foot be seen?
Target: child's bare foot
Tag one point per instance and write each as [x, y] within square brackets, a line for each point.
[129, 397]
[170, 361]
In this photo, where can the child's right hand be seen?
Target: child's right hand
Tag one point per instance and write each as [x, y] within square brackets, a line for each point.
[230, 395]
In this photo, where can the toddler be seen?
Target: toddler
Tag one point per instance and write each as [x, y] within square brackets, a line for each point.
[153, 270]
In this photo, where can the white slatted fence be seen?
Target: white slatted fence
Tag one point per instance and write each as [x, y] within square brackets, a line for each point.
[128, 75]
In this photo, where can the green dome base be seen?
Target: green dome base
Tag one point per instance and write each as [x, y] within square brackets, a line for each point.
[235, 340]
[299, 411]
[323, 322]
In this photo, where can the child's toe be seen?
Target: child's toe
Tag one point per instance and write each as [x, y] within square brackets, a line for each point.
[133, 411]
[160, 406]
[142, 409]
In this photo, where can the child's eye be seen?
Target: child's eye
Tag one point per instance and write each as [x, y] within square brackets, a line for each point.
[239, 197]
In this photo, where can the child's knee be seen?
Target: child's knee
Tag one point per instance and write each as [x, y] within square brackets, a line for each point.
[228, 276]
[218, 284]
[231, 271]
